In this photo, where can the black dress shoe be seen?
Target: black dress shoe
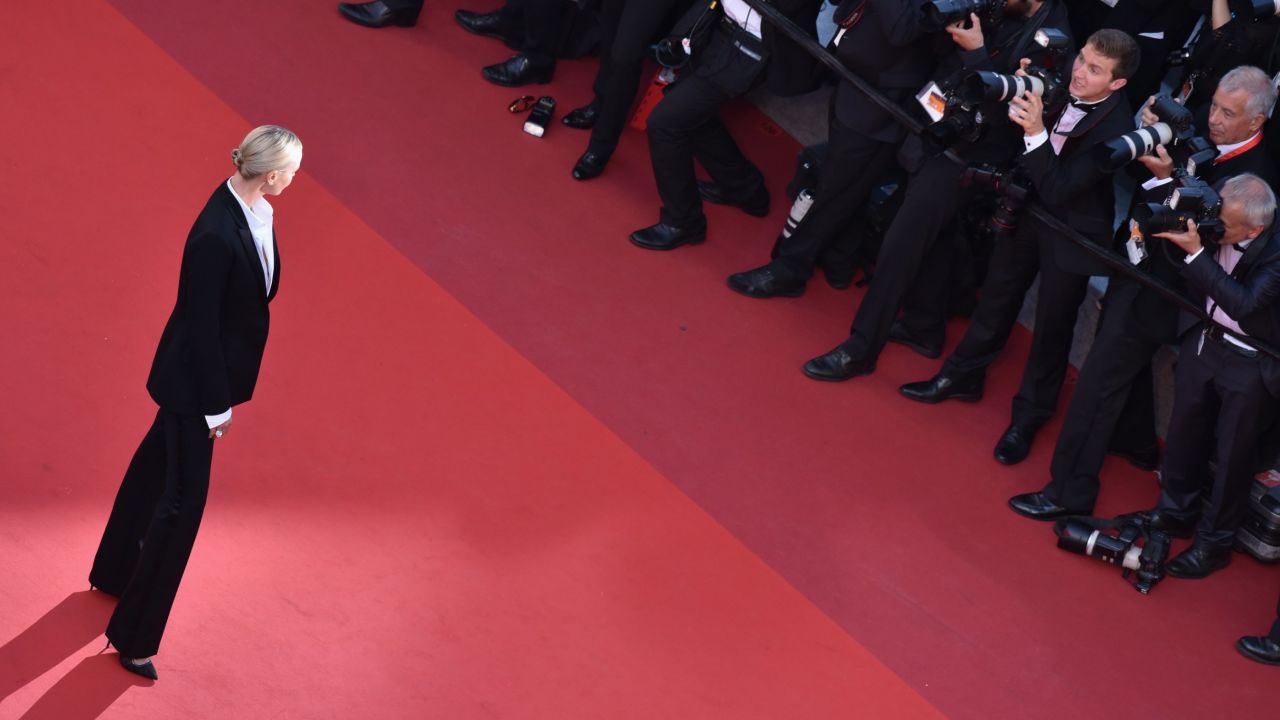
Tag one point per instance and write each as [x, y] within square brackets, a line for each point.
[590, 165]
[838, 365]
[146, 669]
[377, 14]
[1015, 444]
[898, 333]
[755, 206]
[583, 118]
[669, 237]
[763, 283]
[516, 71]
[1148, 459]
[1174, 527]
[489, 25]
[945, 387]
[839, 278]
[1259, 649]
[1038, 507]
[1199, 561]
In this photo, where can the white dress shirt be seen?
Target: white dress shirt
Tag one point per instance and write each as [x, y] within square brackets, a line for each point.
[743, 15]
[1071, 116]
[260, 217]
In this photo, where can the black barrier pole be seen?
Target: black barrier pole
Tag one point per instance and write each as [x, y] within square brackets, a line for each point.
[1112, 260]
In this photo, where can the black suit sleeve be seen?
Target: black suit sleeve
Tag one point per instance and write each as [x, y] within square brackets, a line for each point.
[1058, 181]
[206, 264]
[899, 21]
[1239, 299]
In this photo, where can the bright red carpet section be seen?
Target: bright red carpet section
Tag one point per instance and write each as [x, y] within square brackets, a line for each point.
[409, 521]
[464, 489]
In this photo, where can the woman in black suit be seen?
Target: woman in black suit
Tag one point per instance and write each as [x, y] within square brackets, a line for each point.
[207, 361]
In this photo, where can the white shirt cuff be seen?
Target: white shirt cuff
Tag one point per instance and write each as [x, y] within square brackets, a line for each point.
[1193, 256]
[1156, 182]
[1034, 141]
[216, 420]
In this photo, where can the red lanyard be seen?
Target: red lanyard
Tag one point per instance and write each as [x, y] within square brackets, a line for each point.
[1242, 149]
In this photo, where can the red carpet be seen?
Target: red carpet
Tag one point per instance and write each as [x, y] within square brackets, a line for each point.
[463, 490]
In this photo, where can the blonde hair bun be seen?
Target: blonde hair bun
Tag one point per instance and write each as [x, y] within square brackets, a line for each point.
[266, 148]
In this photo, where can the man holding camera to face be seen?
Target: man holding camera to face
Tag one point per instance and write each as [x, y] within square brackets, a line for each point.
[1115, 379]
[1225, 391]
[1069, 185]
[932, 197]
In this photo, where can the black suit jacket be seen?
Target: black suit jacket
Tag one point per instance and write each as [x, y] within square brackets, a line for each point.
[211, 348]
[888, 49]
[791, 70]
[1147, 314]
[1072, 188]
[1250, 295]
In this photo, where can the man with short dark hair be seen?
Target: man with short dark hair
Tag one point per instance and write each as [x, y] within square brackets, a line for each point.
[1070, 186]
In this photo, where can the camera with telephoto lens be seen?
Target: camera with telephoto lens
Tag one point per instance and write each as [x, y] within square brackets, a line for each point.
[986, 86]
[941, 13]
[1175, 131]
[1192, 199]
[1144, 560]
[963, 120]
[1254, 9]
[1012, 187]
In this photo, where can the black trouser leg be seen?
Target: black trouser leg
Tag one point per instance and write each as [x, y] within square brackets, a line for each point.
[140, 617]
[1245, 409]
[1111, 373]
[541, 22]
[1275, 627]
[1057, 307]
[1190, 437]
[1136, 430]
[143, 484]
[626, 27]
[926, 208]
[926, 302]
[854, 164]
[1013, 267]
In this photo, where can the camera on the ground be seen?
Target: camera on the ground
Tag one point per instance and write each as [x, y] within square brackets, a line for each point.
[1140, 553]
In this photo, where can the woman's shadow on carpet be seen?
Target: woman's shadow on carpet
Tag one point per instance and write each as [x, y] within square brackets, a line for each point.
[91, 686]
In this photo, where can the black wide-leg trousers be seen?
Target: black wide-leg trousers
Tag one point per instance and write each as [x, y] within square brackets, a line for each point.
[153, 524]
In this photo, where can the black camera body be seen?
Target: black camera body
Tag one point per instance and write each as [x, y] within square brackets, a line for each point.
[941, 13]
[960, 121]
[1192, 199]
[1012, 188]
[1144, 560]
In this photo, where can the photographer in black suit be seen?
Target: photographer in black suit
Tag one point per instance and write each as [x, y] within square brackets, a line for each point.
[1136, 321]
[1068, 184]
[732, 51]
[1225, 391]
[933, 195]
[883, 42]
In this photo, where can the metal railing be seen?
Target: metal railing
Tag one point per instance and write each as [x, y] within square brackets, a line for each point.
[1114, 261]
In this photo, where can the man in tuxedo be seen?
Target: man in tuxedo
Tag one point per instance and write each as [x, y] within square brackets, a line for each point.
[1266, 648]
[1070, 186]
[1225, 390]
[885, 43]
[1115, 380]
[732, 51]
[933, 195]
[381, 13]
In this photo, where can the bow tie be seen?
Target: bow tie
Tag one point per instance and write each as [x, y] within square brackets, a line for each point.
[1082, 107]
[1237, 248]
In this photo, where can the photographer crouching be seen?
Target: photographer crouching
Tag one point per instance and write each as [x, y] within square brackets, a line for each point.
[1225, 391]
[1070, 186]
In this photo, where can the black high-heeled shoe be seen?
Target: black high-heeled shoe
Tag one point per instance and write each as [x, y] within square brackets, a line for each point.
[146, 669]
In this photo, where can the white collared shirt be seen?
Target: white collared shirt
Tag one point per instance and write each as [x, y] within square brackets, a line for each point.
[1071, 116]
[743, 15]
[1222, 150]
[1227, 258]
[260, 218]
